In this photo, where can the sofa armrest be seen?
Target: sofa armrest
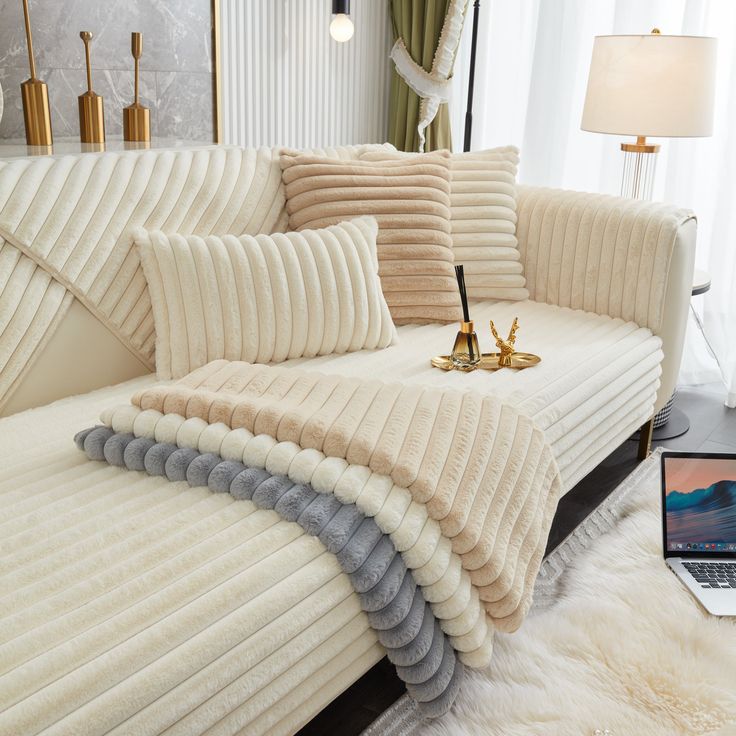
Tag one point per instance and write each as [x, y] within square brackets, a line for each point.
[609, 255]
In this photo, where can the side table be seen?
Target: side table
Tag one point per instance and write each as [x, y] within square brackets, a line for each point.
[670, 422]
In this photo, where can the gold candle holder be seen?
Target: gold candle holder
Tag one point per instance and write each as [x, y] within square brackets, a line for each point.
[35, 96]
[91, 106]
[136, 117]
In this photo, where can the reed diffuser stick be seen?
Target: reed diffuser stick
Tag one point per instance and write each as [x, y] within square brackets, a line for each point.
[460, 276]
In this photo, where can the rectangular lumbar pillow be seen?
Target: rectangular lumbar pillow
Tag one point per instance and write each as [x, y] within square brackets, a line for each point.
[482, 220]
[264, 298]
[410, 198]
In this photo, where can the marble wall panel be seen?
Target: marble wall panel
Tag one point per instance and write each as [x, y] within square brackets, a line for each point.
[176, 68]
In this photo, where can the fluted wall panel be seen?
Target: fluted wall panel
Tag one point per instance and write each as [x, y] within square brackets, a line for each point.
[285, 81]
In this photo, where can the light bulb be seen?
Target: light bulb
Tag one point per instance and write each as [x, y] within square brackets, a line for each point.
[341, 28]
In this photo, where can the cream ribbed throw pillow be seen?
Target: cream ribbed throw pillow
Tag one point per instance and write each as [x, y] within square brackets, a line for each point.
[266, 298]
[483, 219]
[410, 198]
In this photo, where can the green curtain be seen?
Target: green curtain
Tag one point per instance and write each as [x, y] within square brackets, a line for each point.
[419, 23]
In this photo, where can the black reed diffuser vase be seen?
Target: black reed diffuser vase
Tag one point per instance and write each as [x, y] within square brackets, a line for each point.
[465, 353]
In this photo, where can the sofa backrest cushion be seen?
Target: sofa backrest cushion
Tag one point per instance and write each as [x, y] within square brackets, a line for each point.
[482, 219]
[410, 198]
[266, 298]
[66, 226]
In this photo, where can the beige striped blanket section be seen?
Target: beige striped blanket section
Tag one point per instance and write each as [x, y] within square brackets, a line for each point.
[465, 484]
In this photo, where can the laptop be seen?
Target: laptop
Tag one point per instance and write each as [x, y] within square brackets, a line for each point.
[699, 525]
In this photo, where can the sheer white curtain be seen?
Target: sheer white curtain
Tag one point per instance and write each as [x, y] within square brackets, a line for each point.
[531, 72]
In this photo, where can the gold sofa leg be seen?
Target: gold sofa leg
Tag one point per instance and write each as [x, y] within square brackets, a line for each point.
[645, 439]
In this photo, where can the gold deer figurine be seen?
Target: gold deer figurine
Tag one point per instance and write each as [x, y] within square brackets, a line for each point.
[506, 346]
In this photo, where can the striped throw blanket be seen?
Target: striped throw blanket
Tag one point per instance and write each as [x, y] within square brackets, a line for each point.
[461, 486]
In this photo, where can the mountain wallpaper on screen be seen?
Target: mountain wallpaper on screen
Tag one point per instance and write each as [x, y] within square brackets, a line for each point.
[703, 515]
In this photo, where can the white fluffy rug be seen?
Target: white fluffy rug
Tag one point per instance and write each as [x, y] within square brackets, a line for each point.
[624, 648]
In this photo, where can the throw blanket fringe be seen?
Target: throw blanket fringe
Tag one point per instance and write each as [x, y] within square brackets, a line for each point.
[394, 604]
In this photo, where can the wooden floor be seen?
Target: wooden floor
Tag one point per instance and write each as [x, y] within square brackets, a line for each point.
[712, 429]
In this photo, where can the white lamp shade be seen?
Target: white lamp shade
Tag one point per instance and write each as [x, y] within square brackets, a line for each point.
[651, 85]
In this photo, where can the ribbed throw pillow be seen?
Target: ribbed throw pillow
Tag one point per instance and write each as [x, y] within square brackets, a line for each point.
[410, 198]
[483, 219]
[266, 298]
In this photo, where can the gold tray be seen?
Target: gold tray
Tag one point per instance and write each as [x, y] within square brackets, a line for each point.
[488, 362]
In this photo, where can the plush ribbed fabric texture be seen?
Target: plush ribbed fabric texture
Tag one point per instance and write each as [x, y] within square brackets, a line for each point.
[435, 567]
[266, 298]
[133, 605]
[480, 468]
[587, 397]
[66, 231]
[603, 254]
[595, 386]
[482, 219]
[410, 198]
[396, 608]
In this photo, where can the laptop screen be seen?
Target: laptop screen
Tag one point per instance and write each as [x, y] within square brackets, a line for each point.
[699, 495]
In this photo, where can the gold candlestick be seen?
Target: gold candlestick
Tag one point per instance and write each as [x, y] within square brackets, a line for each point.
[91, 107]
[136, 117]
[35, 95]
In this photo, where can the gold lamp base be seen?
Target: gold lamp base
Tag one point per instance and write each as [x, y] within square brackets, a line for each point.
[91, 118]
[641, 146]
[137, 123]
[36, 112]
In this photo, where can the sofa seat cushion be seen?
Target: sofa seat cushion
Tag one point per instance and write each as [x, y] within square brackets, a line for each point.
[131, 603]
[596, 384]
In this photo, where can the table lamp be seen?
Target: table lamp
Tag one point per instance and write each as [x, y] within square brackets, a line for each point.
[650, 85]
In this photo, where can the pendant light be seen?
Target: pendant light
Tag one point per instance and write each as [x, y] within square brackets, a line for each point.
[341, 28]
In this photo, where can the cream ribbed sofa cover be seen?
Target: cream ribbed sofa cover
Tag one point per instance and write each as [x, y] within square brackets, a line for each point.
[597, 382]
[66, 233]
[606, 255]
[609, 285]
[612, 256]
[130, 605]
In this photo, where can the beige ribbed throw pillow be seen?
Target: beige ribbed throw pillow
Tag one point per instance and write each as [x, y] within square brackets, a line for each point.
[410, 198]
[483, 219]
[266, 298]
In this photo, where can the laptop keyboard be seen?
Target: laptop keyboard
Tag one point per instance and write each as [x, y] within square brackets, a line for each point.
[713, 574]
